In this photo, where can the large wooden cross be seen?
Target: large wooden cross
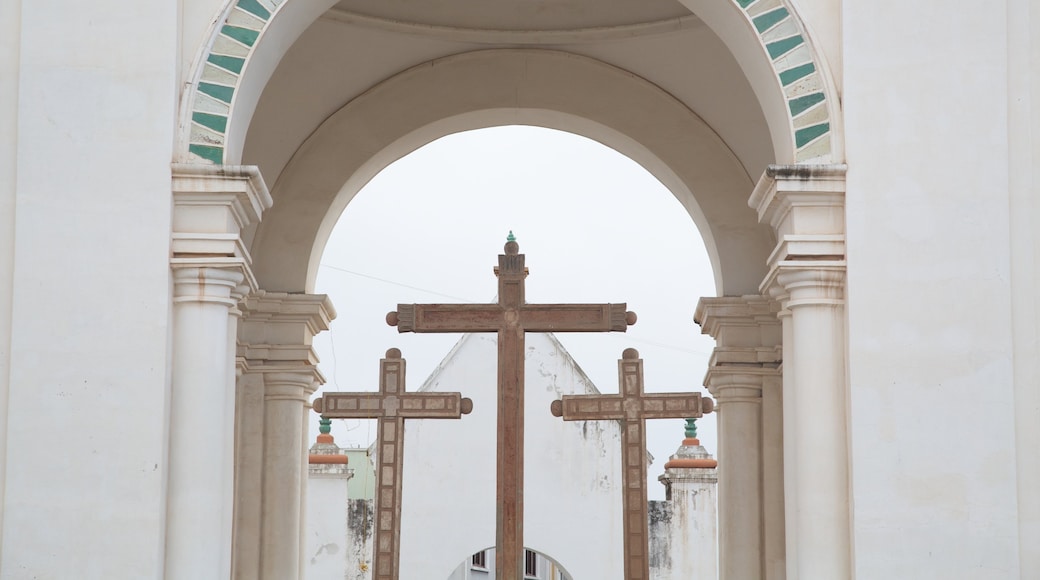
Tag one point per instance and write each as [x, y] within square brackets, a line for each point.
[391, 406]
[632, 407]
[510, 318]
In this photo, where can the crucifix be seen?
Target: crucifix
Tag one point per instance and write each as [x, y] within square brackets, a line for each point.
[511, 318]
[632, 407]
[391, 406]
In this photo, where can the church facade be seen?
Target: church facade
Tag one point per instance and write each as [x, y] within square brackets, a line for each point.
[864, 174]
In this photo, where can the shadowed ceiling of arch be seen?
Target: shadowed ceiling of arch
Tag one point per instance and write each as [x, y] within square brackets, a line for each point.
[337, 59]
[519, 14]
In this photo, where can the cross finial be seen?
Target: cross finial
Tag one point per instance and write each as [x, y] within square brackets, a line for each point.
[691, 428]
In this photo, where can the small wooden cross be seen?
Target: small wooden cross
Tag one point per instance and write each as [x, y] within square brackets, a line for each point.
[510, 318]
[391, 406]
[632, 407]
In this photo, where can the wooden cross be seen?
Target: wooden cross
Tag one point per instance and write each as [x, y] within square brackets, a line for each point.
[510, 318]
[391, 406]
[633, 407]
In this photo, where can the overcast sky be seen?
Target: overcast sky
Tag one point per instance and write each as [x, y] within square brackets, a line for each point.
[595, 226]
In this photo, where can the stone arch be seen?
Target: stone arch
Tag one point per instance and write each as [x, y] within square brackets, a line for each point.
[510, 86]
[770, 42]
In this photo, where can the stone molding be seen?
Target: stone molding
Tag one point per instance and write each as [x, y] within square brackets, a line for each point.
[805, 206]
[278, 328]
[206, 284]
[211, 207]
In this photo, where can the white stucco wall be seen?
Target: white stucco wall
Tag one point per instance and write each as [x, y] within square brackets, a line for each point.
[96, 108]
[929, 317]
[572, 499]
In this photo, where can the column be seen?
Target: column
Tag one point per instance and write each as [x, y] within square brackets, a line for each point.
[275, 338]
[805, 207]
[746, 333]
[210, 271]
[790, 457]
[773, 513]
[284, 396]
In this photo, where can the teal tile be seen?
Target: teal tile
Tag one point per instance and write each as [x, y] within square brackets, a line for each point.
[254, 7]
[793, 74]
[803, 136]
[770, 19]
[210, 153]
[231, 63]
[745, 3]
[799, 105]
[216, 122]
[784, 46]
[243, 35]
[217, 91]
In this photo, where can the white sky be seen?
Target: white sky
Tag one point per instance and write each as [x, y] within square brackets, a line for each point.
[595, 226]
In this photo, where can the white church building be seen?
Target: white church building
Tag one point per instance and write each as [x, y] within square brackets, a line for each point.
[865, 175]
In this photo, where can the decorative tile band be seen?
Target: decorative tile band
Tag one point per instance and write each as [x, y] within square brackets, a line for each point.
[792, 59]
[799, 74]
[221, 74]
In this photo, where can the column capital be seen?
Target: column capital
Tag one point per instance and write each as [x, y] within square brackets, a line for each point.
[212, 205]
[279, 328]
[207, 284]
[745, 322]
[809, 283]
[737, 384]
[290, 383]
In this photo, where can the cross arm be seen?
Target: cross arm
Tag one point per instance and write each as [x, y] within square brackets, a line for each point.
[434, 406]
[576, 317]
[653, 406]
[446, 318]
[350, 405]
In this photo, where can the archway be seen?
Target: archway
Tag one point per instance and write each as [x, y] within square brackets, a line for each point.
[318, 147]
[536, 566]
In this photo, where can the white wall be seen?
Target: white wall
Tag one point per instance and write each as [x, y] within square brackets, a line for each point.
[85, 438]
[572, 491]
[932, 419]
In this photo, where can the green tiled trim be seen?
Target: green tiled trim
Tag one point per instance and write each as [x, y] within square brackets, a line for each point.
[804, 136]
[770, 19]
[216, 122]
[243, 35]
[797, 72]
[228, 56]
[254, 8]
[800, 104]
[782, 47]
[217, 91]
[214, 155]
[231, 63]
[793, 74]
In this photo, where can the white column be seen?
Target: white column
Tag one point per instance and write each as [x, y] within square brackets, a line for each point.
[275, 338]
[805, 207]
[691, 479]
[199, 470]
[249, 465]
[746, 333]
[773, 516]
[284, 396]
[790, 450]
[738, 396]
[210, 271]
[822, 481]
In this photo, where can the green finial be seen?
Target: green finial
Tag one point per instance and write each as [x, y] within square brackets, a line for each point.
[510, 237]
[691, 428]
[325, 425]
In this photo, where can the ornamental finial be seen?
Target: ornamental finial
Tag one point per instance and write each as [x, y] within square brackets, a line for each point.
[510, 237]
[325, 425]
[691, 428]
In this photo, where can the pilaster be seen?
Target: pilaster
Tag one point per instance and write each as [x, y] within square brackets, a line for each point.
[210, 274]
[805, 205]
